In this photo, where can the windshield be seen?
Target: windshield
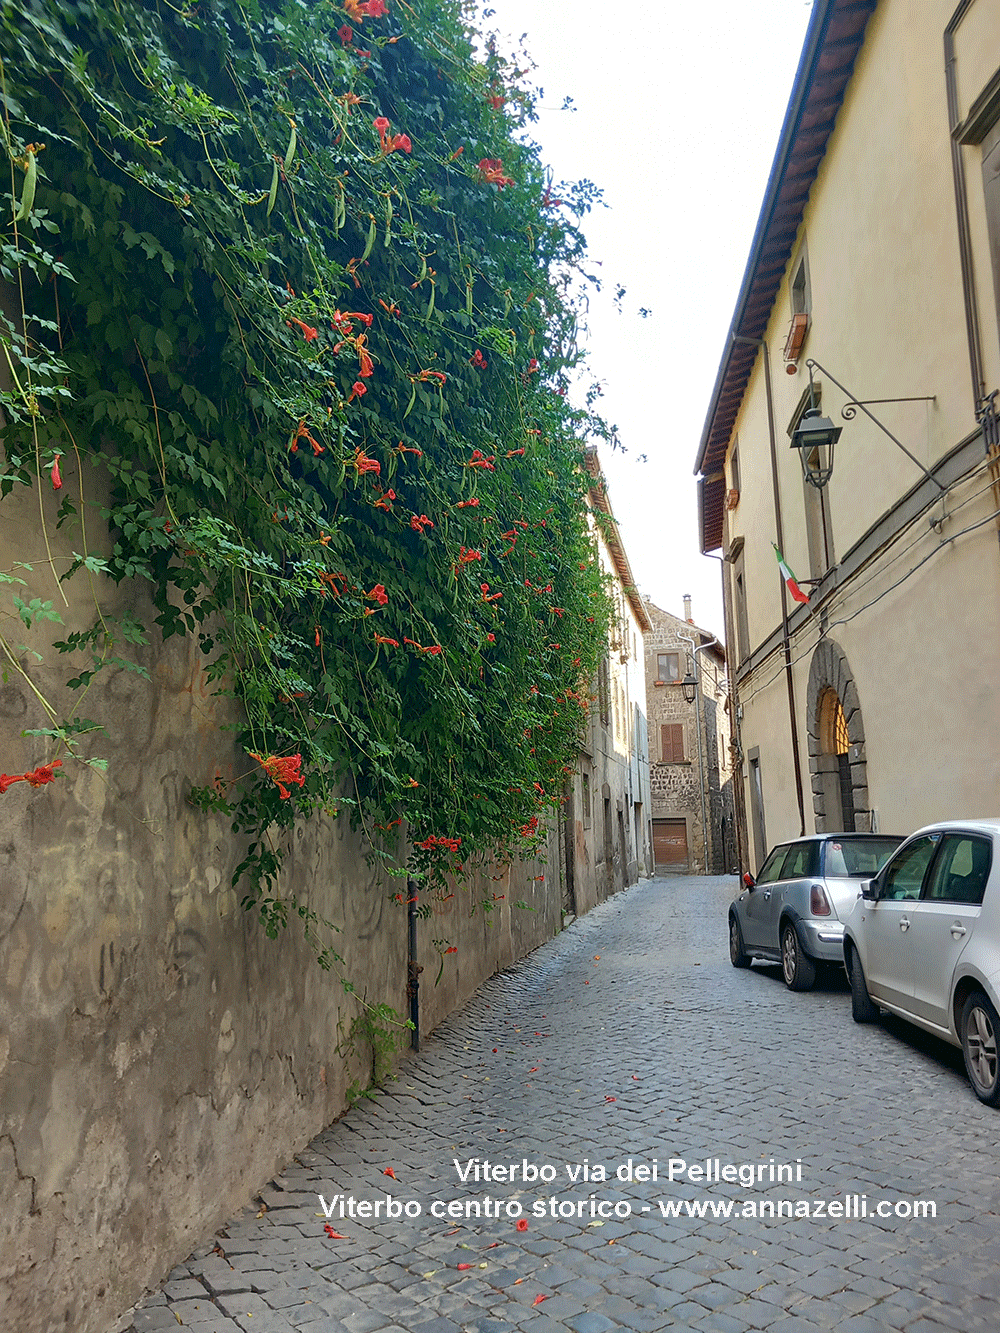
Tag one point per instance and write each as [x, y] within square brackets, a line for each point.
[858, 858]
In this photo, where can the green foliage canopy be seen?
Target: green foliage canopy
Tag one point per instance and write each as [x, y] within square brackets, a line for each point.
[293, 277]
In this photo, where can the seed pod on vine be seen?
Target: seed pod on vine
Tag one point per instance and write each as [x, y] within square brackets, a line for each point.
[388, 219]
[273, 192]
[290, 150]
[430, 305]
[370, 241]
[28, 193]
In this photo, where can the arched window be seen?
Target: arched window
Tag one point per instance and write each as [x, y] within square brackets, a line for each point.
[836, 744]
[835, 741]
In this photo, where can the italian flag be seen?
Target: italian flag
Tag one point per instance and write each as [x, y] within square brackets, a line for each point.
[790, 581]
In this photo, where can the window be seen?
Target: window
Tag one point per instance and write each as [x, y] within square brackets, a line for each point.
[740, 607]
[819, 529]
[672, 743]
[835, 761]
[604, 691]
[860, 858]
[668, 666]
[802, 860]
[801, 302]
[819, 523]
[734, 465]
[585, 800]
[771, 869]
[960, 871]
[991, 191]
[905, 872]
[800, 290]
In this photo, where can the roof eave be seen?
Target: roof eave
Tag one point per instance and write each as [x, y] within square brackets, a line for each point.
[833, 39]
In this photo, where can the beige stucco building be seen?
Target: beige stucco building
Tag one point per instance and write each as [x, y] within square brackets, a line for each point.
[877, 258]
[605, 832]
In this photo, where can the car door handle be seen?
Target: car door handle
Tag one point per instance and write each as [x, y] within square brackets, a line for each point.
[767, 895]
[957, 931]
[904, 923]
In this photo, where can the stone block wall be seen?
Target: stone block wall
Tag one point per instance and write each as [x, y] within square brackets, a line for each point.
[677, 786]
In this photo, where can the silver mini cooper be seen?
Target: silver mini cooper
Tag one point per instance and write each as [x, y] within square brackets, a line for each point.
[793, 913]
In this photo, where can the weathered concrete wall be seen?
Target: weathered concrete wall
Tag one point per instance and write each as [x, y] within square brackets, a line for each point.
[160, 1058]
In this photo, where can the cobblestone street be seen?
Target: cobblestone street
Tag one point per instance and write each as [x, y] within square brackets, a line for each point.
[629, 1036]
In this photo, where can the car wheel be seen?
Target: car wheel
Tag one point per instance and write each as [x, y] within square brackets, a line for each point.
[863, 1007]
[738, 956]
[980, 1026]
[797, 967]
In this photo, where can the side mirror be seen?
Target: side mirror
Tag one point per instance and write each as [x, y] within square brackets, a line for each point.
[749, 880]
[869, 890]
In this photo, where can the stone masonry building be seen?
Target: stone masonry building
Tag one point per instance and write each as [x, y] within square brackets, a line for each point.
[689, 755]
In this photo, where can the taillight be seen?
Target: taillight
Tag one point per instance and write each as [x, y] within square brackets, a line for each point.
[819, 903]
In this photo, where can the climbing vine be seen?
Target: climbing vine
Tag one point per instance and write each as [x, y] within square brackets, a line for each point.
[290, 280]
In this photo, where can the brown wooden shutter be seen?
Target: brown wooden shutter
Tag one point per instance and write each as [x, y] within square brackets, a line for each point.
[672, 742]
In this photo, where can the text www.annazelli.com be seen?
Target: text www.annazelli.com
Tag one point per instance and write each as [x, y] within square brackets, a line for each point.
[851, 1207]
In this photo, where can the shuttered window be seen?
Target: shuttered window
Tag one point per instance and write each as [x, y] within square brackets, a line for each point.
[672, 743]
[668, 666]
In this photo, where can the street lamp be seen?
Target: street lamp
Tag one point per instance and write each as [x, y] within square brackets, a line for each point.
[814, 437]
[690, 687]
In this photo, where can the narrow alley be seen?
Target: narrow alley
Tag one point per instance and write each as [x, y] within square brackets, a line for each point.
[627, 1042]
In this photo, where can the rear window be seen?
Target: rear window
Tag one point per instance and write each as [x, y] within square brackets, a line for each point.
[801, 861]
[857, 858]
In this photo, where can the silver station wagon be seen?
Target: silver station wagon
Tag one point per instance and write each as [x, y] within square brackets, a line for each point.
[923, 941]
[793, 913]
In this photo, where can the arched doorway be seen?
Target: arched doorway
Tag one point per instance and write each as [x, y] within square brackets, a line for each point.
[836, 744]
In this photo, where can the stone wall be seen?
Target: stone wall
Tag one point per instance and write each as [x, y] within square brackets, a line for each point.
[677, 785]
[160, 1058]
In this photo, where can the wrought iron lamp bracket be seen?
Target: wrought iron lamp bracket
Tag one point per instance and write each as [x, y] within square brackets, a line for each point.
[849, 411]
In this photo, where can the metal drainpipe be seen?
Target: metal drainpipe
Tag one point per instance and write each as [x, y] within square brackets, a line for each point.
[779, 533]
[701, 764]
[413, 968]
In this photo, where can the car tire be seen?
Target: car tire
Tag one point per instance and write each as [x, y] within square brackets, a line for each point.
[797, 968]
[863, 1007]
[980, 1031]
[738, 956]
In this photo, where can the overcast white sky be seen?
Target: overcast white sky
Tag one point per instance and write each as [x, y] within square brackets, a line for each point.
[678, 113]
